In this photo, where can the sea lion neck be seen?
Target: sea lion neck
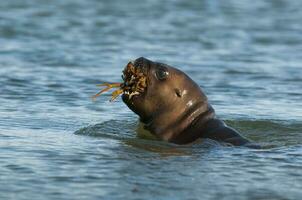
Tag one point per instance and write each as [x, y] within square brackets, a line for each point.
[177, 129]
[195, 129]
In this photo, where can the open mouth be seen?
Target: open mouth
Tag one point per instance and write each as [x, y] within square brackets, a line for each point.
[135, 83]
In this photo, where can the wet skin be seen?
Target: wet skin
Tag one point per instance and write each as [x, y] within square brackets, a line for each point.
[175, 109]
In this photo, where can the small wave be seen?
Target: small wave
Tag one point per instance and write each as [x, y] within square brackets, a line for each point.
[110, 129]
[130, 134]
[272, 133]
[266, 125]
[268, 133]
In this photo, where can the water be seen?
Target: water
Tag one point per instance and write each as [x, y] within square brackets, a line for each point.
[245, 55]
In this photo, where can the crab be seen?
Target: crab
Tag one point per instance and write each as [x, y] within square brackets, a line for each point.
[134, 83]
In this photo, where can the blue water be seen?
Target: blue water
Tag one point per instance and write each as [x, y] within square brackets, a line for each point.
[56, 143]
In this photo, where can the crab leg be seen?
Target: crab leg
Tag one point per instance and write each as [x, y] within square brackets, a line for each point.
[108, 87]
[115, 94]
[111, 85]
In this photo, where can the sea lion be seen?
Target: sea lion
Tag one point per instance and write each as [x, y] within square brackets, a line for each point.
[175, 109]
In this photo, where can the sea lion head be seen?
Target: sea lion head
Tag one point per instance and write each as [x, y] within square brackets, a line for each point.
[170, 101]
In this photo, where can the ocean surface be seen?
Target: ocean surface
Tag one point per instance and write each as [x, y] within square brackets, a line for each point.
[56, 143]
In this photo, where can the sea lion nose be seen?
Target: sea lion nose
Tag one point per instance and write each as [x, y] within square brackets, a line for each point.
[142, 63]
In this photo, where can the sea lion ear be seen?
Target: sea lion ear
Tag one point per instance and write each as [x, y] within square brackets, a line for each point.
[178, 92]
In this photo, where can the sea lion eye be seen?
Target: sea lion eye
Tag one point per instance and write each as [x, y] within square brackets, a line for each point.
[162, 74]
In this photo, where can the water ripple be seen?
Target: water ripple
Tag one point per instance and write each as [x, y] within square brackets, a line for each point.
[53, 54]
